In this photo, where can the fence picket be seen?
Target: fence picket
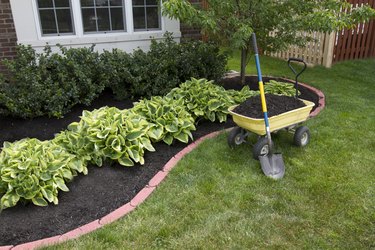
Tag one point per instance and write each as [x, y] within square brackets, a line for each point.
[346, 44]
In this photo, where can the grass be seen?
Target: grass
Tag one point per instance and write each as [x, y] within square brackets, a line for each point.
[218, 198]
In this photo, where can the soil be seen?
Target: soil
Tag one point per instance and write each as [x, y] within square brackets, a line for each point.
[252, 82]
[100, 192]
[276, 105]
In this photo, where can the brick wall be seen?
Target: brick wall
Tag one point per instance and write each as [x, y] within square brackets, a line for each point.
[8, 37]
[188, 32]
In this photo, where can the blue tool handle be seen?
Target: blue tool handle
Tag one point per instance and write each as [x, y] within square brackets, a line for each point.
[257, 62]
[262, 94]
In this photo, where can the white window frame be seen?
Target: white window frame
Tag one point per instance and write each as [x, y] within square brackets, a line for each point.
[54, 9]
[28, 30]
[78, 24]
[144, 7]
[110, 19]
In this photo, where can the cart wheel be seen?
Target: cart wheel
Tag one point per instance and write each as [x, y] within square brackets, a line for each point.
[261, 148]
[302, 136]
[236, 136]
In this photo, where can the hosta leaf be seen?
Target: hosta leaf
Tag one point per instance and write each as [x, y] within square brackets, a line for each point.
[182, 137]
[61, 184]
[74, 126]
[159, 112]
[141, 160]
[98, 161]
[67, 174]
[161, 121]
[47, 193]
[110, 153]
[126, 161]
[39, 201]
[110, 140]
[214, 104]
[191, 105]
[155, 133]
[116, 145]
[147, 144]
[188, 133]
[168, 139]
[172, 128]
[55, 200]
[103, 134]
[211, 116]
[45, 176]
[134, 135]
[152, 107]
[198, 112]
[55, 165]
[85, 170]
[9, 199]
[76, 165]
[222, 117]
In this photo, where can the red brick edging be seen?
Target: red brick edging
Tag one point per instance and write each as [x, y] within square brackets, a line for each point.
[141, 196]
[121, 211]
[322, 100]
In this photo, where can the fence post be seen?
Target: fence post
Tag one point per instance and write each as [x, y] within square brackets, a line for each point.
[329, 45]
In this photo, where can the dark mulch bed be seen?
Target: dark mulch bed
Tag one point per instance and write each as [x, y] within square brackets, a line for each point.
[276, 105]
[103, 190]
[252, 82]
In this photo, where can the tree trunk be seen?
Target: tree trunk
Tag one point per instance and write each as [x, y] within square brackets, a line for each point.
[243, 65]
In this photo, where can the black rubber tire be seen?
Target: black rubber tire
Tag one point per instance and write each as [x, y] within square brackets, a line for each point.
[261, 147]
[302, 136]
[236, 137]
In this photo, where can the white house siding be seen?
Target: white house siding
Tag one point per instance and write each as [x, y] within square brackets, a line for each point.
[26, 21]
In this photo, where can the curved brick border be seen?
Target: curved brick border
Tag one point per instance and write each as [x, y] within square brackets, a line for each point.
[319, 93]
[121, 211]
[322, 100]
[141, 196]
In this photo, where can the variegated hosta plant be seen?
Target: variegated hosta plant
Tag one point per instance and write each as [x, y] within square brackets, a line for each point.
[33, 170]
[108, 133]
[280, 88]
[168, 117]
[205, 99]
[239, 97]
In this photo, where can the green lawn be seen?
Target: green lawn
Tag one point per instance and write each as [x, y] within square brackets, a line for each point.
[218, 198]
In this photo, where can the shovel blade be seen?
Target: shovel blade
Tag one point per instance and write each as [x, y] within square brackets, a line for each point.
[272, 165]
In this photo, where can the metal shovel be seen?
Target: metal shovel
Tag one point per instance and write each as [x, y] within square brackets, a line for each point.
[272, 164]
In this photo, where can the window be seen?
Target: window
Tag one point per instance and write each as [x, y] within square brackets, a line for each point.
[55, 17]
[146, 15]
[103, 15]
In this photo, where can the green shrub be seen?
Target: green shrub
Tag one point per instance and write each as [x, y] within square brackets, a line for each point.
[50, 83]
[107, 133]
[33, 170]
[200, 59]
[163, 67]
[118, 73]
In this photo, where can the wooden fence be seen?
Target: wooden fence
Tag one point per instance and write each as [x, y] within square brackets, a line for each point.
[356, 43]
[316, 52]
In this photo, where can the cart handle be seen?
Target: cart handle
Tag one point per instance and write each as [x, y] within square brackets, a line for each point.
[292, 59]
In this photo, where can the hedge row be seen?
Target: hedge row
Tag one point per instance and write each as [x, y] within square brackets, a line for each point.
[51, 84]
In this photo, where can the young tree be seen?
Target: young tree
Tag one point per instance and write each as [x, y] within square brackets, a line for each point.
[277, 23]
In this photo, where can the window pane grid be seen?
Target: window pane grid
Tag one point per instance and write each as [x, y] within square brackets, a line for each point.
[104, 15]
[151, 17]
[51, 16]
